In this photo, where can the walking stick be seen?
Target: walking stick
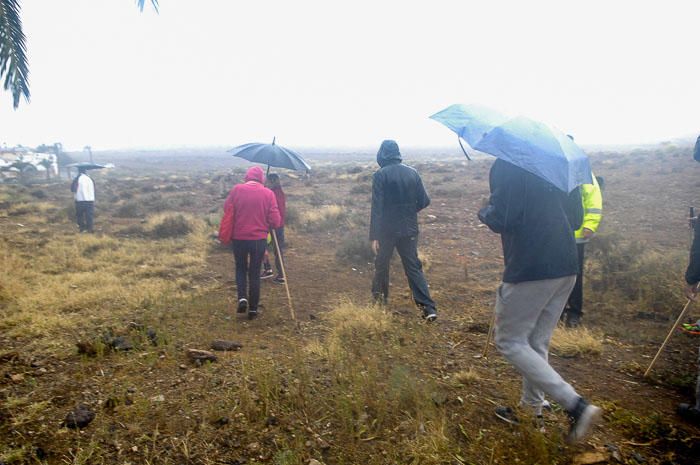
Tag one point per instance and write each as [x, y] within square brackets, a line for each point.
[490, 334]
[680, 317]
[284, 276]
[691, 225]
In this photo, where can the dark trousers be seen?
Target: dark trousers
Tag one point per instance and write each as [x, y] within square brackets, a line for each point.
[575, 303]
[85, 212]
[408, 251]
[248, 255]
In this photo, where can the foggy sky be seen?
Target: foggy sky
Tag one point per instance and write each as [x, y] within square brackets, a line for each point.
[327, 73]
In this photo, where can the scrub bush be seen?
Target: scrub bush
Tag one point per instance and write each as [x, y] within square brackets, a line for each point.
[171, 226]
[354, 249]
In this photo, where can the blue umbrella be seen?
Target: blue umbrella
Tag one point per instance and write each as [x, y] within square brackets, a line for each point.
[539, 149]
[271, 155]
[470, 122]
[531, 145]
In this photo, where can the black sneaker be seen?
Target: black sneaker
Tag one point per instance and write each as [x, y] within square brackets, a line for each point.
[573, 321]
[429, 315]
[252, 314]
[507, 414]
[689, 413]
[267, 274]
[242, 305]
[583, 417]
[278, 280]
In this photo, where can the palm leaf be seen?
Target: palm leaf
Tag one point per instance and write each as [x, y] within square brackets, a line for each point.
[13, 56]
[13, 50]
[140, 3]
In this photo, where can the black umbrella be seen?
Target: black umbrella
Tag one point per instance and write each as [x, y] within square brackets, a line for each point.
[86, 165]
[271, 155]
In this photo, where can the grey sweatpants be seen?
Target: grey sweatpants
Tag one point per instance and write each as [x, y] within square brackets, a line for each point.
[526, 315]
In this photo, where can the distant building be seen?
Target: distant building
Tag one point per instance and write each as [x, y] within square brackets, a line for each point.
[24, 161]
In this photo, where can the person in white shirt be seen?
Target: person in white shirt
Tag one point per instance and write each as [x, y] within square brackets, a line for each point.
[84, 189]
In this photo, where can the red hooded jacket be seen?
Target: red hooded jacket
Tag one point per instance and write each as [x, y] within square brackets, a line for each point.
[250, 210]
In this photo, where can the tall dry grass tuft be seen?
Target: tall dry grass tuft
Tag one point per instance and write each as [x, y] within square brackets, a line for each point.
[322, 218]
[621, 271]
[575, 342]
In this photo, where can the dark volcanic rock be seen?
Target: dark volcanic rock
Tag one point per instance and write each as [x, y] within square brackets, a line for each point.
[80, 417]
[152, 336]
[222, 345]
[121, 343]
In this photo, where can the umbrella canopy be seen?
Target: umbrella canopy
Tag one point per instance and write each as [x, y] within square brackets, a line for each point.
[86, 165]
[271, 155]
[539, 149]
[531, 145]
[470, 122]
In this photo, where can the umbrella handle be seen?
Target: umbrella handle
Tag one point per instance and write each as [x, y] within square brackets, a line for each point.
[459, 139]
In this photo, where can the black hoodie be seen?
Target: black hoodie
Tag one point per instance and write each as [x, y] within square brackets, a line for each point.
[536, 222]
[397, 196]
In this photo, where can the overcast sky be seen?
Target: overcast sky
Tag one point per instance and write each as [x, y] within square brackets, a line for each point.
[330, 73]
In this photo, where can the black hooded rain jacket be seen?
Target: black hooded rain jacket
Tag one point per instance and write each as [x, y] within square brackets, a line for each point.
[397, 196]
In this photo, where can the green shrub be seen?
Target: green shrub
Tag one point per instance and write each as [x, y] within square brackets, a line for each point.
[359, 189]
[172, 226]
[355, 249]
[291, 216]
[129, 210]
[38, 194]
[317, 198]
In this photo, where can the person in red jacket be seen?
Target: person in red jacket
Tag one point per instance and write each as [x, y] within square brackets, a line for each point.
[250, 211]
[273, 183]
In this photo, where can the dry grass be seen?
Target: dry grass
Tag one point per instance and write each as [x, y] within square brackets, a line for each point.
[575, 342]
[75, 279]
[322, 218]
[467, 377]
[425, 259]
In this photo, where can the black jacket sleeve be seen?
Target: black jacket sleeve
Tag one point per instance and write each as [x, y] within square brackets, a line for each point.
[377, 206]
[692, 274]
[422, 199]
[507, 201]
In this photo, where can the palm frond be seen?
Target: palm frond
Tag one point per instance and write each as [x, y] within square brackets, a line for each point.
[13, 52]
[141, 3]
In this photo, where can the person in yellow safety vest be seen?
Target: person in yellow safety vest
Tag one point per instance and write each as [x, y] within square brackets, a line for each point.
[592, 199]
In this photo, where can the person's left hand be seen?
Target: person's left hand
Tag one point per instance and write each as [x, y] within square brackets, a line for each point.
[691, 291]
[587, 233]
[375, 247]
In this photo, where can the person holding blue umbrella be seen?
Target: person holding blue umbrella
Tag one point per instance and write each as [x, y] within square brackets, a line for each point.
[535, 205]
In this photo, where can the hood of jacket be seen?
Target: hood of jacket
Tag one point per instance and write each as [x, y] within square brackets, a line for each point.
[255, 174]
[388, 153]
